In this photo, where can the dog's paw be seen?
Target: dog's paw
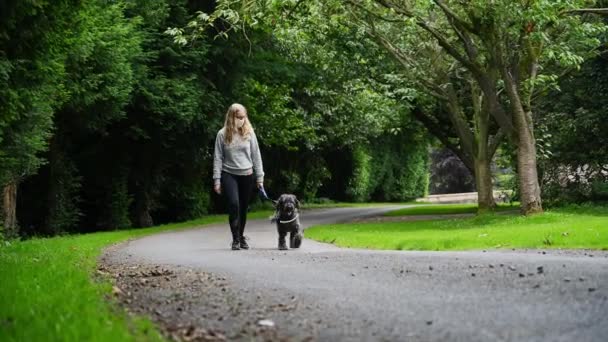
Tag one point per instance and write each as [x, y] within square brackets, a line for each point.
[295, 241]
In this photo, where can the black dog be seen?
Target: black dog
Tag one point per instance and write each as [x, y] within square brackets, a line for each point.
[287, 218]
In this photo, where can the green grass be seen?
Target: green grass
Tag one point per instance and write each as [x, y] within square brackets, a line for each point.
[47, 291]
[444, 209]
[355, 205]
[573, 227]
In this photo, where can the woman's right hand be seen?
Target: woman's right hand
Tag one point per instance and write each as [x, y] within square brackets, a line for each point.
[217, 188]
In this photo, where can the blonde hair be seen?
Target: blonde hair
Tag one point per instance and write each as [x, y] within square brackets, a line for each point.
[229, 125]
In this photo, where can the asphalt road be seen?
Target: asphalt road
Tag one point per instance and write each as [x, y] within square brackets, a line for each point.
[329, 293]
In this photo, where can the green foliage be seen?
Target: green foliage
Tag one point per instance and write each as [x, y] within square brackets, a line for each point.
[599, 190]
[192, 200]
[276, 120]
[359, 187]
[100, 67]
[575, 169]
[400, 171]
[64, 212]
[317, 174]
[34, 38]
[119, 202]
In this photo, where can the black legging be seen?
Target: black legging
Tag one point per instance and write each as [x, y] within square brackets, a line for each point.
[238, 191]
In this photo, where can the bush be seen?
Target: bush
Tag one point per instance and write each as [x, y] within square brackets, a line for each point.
[64, 211]
[193, 201]
[316, 175]
[119, 203]
[599, 190]
[448, 174]
[360, 184]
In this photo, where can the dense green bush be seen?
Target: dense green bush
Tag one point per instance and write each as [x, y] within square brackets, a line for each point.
[393, 168]
[64, 202]
[575, 169]
[360, 183]
[119, 202]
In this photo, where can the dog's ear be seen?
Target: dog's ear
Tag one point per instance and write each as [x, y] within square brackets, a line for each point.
[297, 202]
[275, 203]
[280, 202]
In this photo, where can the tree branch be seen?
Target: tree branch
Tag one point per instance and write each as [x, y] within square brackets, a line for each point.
[495, 142]
[450, 14]
[433, 89]
[374, 14]
[599, 11]
[443, 137]
[443, 42]
[456, 116]
[294, 8]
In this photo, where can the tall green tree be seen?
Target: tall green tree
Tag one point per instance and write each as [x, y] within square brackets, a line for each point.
[34, 40]
[505, 46]
[99, 82]
[170, 114]
[573, 119]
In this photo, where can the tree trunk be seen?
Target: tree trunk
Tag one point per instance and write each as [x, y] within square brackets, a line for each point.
[483, 182]
[482, 152]
[9, 209]
[529, 187]
[142, 210]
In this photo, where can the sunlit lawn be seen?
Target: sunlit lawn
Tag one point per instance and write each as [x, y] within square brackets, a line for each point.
[443, 209]
[573, 227]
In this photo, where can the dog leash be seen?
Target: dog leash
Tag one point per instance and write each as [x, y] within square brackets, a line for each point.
[263, 194]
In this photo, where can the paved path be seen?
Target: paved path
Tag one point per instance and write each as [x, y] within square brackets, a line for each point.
[342, 294]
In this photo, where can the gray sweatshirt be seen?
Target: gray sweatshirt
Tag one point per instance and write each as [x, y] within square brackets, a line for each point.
[241, 157]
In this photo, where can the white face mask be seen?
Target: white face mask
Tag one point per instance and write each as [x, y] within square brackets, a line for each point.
[239, 122]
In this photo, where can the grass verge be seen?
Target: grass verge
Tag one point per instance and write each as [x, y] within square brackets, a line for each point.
[573, 227]
[47, 292]
[445, 209]
[356, 205]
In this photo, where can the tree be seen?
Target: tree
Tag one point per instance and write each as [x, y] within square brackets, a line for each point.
[34, 41]
[99, 82]
[423, 70]
[574, 166]
[506, 47]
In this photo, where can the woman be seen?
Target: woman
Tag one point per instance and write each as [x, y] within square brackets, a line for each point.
[236, 165]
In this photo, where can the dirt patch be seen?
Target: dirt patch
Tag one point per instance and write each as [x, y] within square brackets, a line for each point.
[192, 305]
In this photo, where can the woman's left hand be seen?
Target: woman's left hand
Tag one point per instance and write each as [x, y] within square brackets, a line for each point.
[260, 185]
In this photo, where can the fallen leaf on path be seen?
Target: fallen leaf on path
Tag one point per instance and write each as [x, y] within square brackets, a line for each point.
[266, 323]
[116, 291]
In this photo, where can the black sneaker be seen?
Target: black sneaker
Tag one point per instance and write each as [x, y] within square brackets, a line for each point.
[243, 242]
[235, 245]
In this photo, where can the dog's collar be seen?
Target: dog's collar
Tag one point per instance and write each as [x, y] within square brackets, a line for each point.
[289, 221]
